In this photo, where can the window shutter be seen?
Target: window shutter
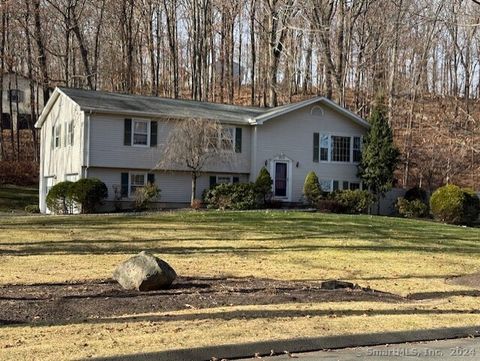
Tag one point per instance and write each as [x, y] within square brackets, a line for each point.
[151, 178]
[124, 187]
[213, 181]
[127, 132]
[153, 133]
[236, 179]
[316, 146]
[238, 140]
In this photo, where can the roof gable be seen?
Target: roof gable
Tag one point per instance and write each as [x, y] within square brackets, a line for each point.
[278, 111]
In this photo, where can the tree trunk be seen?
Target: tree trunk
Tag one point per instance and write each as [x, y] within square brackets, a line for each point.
[194, 188]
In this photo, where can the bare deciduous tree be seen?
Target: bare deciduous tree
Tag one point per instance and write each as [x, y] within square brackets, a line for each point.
[193, 144]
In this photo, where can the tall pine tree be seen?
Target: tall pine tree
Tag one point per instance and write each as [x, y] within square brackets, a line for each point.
[379, 156]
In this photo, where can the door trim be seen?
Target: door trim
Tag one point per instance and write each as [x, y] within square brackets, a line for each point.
[289, 178]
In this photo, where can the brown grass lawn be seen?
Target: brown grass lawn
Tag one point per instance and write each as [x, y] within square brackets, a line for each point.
[405, 257]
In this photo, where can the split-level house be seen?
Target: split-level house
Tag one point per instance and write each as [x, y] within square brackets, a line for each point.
[119, 138]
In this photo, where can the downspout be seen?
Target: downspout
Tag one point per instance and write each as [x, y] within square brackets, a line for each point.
[88, 144]
[253, 158]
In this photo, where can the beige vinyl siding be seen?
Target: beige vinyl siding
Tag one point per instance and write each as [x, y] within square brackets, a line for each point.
[175, 186]
[291, 136]
[107, 147]
[62, 162]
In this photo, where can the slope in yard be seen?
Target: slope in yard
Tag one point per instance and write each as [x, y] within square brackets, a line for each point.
[16, 198]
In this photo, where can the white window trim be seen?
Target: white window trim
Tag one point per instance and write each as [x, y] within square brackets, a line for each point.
[58, 134]
[219, 141]
[224, 176]
[69, 133]
[130, 195]
[149, 129]
[330, 147]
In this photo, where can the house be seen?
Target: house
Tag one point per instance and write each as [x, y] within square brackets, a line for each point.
[17, 110]
[118, 138]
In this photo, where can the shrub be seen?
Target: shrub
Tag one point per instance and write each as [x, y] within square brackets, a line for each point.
[196, 204]
[454, 205]
[416, 193]
[89, 193]
[411, 208]
[145, 195]
[32, 208]
[237, 196]
[330, 206]
[311, 189]
[263, 186]
[471, 207]
[59, 199]
[354, 201]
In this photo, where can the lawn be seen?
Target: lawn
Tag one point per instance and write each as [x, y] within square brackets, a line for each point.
[15, 198]
[405, 257]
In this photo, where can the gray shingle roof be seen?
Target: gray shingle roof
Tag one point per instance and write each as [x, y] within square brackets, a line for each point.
[125, 103]
[151, 106]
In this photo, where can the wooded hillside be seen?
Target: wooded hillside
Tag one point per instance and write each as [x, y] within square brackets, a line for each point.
[423, 56]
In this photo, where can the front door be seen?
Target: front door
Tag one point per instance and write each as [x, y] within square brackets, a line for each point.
[281, 179]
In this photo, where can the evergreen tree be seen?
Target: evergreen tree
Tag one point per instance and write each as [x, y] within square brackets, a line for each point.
[263, 185]
[311, 189]
[379, 155]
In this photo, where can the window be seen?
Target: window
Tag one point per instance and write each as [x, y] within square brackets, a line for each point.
[335, 185]
[58, 132]
[140, 133]
[73, 177]
[137, 180]
[354, 185]
[6, 121]
[24, 121]
[70, 133]
[221, 179]
[15, 95]
[357, 149]
[324, 141]
[326, 185]
[226, 139]
[340, 149]
[345, 185]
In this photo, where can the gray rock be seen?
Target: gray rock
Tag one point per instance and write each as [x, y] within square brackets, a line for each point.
[144, 272]
[337, 284]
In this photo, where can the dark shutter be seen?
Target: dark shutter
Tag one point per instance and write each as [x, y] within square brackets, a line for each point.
[213, 181]
[124, 187]
[127, 132]
[335, 185]
[238, 140]
[153, 134]
[316, 146]
[236, 179]
[151, 178]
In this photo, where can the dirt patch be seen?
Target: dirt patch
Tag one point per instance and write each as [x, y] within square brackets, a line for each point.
[61, 303]
[472, 280]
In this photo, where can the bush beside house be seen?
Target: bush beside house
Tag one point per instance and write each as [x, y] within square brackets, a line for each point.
[455, 205]
[312, 191]
[87, 193]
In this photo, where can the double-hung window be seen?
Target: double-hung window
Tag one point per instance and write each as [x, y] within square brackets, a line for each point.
[324, 146]
[70, 133]
[137, 180]
[340, 149]
[140, 133]
[226, 139]
[58, 134]
[357, 149]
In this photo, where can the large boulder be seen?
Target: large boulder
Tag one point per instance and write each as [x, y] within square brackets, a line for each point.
[144, 272]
